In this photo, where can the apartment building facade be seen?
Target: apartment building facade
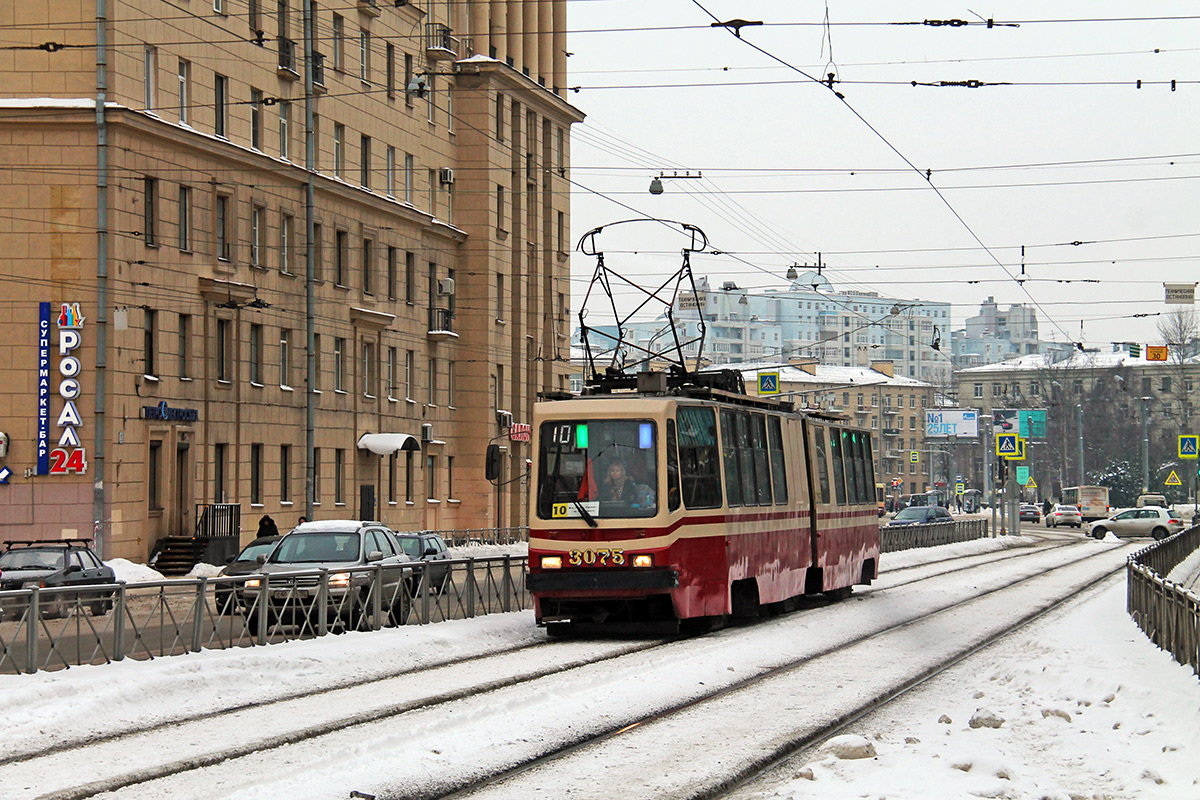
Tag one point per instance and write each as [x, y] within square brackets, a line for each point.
[157, 252]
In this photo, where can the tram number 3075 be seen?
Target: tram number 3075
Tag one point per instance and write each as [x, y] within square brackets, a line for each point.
[596, 558]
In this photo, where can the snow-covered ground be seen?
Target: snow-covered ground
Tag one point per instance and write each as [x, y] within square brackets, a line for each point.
[1076, 705]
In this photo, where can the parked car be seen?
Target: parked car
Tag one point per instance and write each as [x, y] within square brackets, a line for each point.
[331, 545]
[1030, 513]
[53, 564]
[1151, 500]
[920, 515]
[1149, 521]
[1064, 515]
[430, 548]
[244, 563]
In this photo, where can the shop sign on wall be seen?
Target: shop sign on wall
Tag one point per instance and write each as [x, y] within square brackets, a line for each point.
[69, 457]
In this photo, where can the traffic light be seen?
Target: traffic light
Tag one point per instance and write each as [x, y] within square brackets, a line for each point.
[491, 469]
[1002, 469]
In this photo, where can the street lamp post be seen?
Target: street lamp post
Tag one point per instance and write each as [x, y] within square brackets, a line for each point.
[1145, 444]
[1079, 417]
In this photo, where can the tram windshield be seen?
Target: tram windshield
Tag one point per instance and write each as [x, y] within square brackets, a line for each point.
[598, 469]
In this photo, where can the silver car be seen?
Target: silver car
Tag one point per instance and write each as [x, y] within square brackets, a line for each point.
[1064, 515]
[341, 557]
[1150, 521]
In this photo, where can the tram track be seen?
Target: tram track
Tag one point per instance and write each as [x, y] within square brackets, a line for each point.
[785, 748]
[259, 747]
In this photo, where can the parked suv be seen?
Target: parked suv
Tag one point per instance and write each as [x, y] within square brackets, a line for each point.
[55, 564]
[1149, 521]
[430, 548]
[339, 546]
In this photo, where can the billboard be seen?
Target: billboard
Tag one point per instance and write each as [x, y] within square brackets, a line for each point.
[1004, 420]
[952, 423]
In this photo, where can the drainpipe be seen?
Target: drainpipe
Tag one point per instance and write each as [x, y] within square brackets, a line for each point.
[310, 397]
[100, 527]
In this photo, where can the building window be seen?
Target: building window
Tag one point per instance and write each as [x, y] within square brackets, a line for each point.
[368, 266]
[153, 471]
[220, 104]
[317, 363]
[219, 460]
[391, 478]
[410, 277]
[450, 477]
[185, 90]
[408, 374]
[339, 148]
[390, 66]
[224, 248]
[150, 78]
[339, 42]
[339, 364]
[340, 256]
[500, 203]
[431, 367]
[450, 383]
[431, 477]
[979, 390]
[408, 76]
[370, 370]
[185, 218]
[224, 350]
[1166, 384]
[285, 473]
[391, 374]
[258, 221]
[285, 357]
[408, 177]
[318, 253]
[285, 130]
[286, 223]
[393, 256]
[316, 134]
[256, 122]
[150, 211]
[149, 337]
[408, 476]
[339, 476]
[499, 117]
[256, 354]
[185, 334]
[364, 166]
[256, 474]
[1147, 385]
[390, 178]
[364, 55]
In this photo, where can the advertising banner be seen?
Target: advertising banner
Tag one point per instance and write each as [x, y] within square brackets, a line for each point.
[952, 423]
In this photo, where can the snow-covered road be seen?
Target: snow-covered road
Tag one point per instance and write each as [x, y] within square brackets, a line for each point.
[537, 701]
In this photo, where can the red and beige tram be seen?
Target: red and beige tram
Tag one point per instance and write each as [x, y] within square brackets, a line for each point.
[688, 502]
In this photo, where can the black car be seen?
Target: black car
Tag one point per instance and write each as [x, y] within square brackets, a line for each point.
[54, 564]
[245, 563]
[430, 549]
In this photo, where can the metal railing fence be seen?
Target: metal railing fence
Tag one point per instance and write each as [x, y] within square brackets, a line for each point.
[907, 537]
[1166, 612]
[43, 629]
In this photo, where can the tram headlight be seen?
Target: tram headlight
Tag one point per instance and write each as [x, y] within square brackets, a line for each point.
[551, 562]
[643, 560]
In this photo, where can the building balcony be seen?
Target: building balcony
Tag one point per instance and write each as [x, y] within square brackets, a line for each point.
[318, 71]
[441, 324]
[439, 44]
[286, 68]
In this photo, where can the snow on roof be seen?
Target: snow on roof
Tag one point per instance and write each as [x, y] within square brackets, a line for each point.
[827, 373]
[52, 102]
[1090, 359]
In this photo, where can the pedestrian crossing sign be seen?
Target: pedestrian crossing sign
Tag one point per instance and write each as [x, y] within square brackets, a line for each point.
[768, 383]
[1173, 479]
[1188, 445]
[1006, 444]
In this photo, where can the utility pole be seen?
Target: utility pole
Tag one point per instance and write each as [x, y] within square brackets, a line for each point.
[1079, 417]
[310, 165]
[1145, 444]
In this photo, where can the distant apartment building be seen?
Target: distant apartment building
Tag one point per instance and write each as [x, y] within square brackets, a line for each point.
[156, 236]
[996, 335]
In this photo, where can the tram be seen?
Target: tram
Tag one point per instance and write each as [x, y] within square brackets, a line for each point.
[677, 500]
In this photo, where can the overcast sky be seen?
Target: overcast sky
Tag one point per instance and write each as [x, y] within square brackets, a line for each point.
[791, 170]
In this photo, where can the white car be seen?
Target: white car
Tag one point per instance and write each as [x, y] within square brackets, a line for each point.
[1064, 515]
[1150, 521]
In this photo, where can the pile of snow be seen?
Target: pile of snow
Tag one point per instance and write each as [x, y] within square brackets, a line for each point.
[133, 573]
[204, 571]
[518, 549]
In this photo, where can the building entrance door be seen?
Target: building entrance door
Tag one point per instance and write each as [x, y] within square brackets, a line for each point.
[181, 506]
[366, 501]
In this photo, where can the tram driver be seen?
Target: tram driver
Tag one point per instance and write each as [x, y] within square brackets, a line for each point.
[620, 488]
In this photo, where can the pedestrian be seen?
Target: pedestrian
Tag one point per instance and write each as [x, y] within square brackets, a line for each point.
[303, 520]
[1047, 506]
[267, 526]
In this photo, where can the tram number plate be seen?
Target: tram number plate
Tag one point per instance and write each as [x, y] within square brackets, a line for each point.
[596, 558]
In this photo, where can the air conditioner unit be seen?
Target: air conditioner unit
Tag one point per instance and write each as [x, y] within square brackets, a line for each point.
[504, 419]
[426, 431]
[445, 286]
[446, 176]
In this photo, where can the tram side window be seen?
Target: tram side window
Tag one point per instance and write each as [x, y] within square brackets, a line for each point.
[746, 459]
[762, 466]
[778, 472]
[849, 457]
[699, 459]
[860, 467]
[672, 468]
[839, 475]
[729, 447]
[822, 467]
[868, 459]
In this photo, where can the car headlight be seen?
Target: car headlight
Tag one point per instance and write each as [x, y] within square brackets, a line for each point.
[551, 562]
[253, 583]
[339, 581]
